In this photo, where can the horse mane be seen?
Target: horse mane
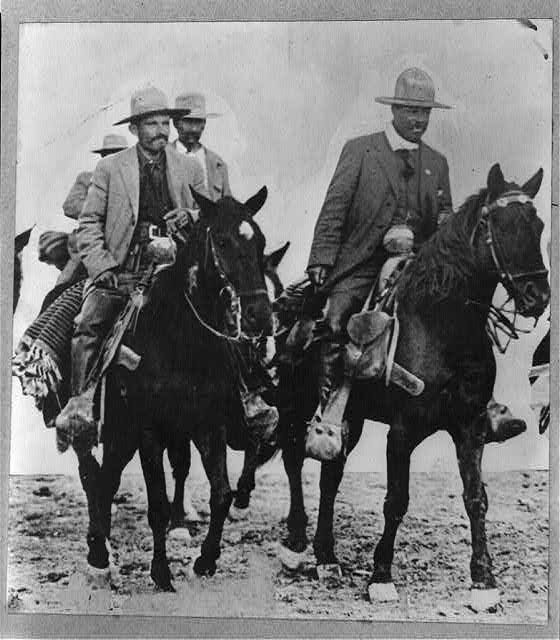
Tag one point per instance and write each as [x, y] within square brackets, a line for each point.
[445, 261]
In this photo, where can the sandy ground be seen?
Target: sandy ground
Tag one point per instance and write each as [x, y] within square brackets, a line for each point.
[47, 548]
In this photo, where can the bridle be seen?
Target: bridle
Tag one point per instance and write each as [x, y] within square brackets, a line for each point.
[228, 293]
[497, 318]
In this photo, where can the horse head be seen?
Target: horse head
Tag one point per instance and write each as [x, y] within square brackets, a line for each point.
[512, 238]
[230, 261]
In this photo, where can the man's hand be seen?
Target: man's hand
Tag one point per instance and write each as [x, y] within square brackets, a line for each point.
[177, 219]
[107, 280]
[318, 274]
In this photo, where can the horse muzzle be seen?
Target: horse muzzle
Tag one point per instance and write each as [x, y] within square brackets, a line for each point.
[533, 298]
[256, 316]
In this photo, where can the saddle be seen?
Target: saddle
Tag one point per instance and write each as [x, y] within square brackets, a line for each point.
[369, 353]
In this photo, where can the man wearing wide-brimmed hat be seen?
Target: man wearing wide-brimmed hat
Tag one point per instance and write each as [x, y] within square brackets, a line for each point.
[72, 206]
[389, 192]
[190, 128]
[135, 195]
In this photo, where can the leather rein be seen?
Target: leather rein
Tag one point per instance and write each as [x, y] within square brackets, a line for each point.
[497, 319]
[227, 290]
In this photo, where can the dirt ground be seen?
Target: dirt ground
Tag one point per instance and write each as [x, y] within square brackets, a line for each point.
[47, 549]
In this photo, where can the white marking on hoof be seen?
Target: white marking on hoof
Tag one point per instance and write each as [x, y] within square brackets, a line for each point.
[180, 533]
[98, 578]
[235, 513]
[484, 599]
[326, 571]
[382, 592]
[291, 559]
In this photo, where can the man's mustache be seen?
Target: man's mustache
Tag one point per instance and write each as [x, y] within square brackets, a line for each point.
[164, 138]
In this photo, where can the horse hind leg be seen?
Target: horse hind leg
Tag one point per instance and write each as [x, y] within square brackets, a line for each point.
[182, 509]
[214, 459]
[159, 511]
[245, 484]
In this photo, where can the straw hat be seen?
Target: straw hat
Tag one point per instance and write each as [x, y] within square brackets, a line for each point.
[112, 143]
[195, 104]
[414, 88]
[150, 101]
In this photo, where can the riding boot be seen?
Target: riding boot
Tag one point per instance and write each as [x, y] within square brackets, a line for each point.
[501, 424]
[96, 318]
[330, 369]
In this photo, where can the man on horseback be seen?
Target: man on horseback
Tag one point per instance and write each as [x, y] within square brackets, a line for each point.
[135, 195]
[190, 128]
[389, 193]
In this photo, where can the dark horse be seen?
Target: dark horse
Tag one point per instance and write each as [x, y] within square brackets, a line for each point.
[444, 298]
[186, 386]
[180, 459]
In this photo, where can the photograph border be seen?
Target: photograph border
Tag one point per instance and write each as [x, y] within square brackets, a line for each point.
[16, 12]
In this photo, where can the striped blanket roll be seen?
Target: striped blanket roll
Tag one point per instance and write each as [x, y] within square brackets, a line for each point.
[42, 355]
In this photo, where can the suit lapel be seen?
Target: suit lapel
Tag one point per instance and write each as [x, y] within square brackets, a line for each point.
[174, 177]
[130, 173]
[388, 161]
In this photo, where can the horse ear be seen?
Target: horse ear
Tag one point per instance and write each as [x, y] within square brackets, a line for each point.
[496, 183]
[532, 186]
[207, 207]
[256, 202]
[21, 240]
[272, 260]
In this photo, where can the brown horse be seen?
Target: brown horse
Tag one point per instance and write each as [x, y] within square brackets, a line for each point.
[444, 299]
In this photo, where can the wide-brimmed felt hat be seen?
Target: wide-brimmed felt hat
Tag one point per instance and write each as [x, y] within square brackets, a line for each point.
[414, 88]
[150, 101]
[49, 241]
[112, 143]
[195, 103]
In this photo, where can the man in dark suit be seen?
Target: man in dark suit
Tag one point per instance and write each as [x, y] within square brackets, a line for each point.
[190, 129]
[387, 186]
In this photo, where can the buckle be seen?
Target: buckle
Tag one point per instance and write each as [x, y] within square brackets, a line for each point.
[155, 232]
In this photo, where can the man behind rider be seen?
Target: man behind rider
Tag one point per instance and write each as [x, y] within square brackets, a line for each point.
[388, 188]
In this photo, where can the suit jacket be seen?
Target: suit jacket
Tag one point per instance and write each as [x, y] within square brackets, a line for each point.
[217, 172]
[110, 212]
[75, 199]
[362, 198]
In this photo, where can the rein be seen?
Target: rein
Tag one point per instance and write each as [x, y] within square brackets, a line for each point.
[497, 319]
[227, 288]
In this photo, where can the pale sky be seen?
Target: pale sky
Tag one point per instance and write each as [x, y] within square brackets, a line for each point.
[289, 95]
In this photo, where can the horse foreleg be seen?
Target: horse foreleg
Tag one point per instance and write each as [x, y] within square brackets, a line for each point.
[399, 449]
[469, 455]
[151, 458]
[246, 482]
[293, 453]
[331, 476]
[214, 459]
[179, 455]
[89, 471]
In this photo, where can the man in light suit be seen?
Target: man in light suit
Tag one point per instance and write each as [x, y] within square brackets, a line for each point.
[190, 129]
[388, 185]
[134, 195]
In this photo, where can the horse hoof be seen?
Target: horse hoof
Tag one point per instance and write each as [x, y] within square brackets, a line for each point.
[483, 599]
[382, 592]
[291, 560]
[178, 532]
[236, 514]
[161, 575]
[329, 571]
[204, 567]
[103, 578]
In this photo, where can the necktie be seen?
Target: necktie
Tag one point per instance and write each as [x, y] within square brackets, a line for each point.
[407, 170]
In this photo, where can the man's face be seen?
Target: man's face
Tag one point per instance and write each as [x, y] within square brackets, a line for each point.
[152, 132]
[189, 130]
[410, 122]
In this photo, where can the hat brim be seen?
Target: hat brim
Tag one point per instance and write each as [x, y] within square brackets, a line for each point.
[198, 116]
[108, 149]
[172, 113]
[407, 102]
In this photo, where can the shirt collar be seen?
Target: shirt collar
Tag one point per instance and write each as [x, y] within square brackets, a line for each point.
[180, 147]
[144, 160]
[396, 141]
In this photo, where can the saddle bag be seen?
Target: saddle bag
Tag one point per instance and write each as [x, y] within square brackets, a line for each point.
[365, 355]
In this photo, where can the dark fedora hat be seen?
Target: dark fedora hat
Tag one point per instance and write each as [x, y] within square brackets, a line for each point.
[150, 101]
